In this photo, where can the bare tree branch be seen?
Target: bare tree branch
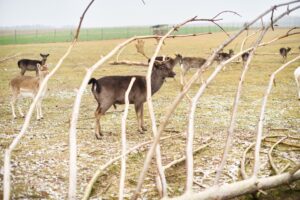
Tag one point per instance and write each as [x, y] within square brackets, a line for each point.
[262, 115]
[123, 159]
[236, 101]
[236, 189]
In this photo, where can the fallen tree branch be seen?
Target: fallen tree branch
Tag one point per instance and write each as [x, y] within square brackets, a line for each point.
[286, 143]
[183, 158]
[240, 188]
[270, 155]
[129, 63]
[243, 161]
[100, 170]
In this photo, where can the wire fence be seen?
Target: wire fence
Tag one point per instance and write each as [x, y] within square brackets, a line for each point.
[19, 36]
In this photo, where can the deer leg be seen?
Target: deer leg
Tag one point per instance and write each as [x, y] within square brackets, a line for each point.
[36, 72]
[97, 122]
[20, 111]
[142, 118]
[23, 70]
[139, 112]
[12, 103]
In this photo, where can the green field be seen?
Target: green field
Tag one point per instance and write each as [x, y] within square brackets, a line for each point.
[92, 34]
[40, 162]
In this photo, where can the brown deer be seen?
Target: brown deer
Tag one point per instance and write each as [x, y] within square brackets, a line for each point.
[31, 65]
[28, 86]
[284, 52]
[186, 63]
[110, 90]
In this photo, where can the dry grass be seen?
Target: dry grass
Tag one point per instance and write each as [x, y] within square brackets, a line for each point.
[40, 162]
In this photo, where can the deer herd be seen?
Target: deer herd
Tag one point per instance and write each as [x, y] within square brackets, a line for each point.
[110, 90]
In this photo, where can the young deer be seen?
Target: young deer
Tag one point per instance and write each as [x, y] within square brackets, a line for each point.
[28, 86]
[190, 62]
[31, 65]
[110, 90]
[284, 52]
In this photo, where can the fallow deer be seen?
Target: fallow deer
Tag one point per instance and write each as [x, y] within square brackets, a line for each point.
[110, 90]
[28, 86]
[31, 65]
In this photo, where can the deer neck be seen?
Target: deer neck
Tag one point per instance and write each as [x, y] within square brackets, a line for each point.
[156, 81]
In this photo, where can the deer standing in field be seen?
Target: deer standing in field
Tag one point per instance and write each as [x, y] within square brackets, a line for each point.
[284, 52]
[223, 56]
[186, 63]
[110, 90]
[31, 65]
[28, 86]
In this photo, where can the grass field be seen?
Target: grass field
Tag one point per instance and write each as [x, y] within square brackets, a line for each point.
[91, 34]
[40, 162]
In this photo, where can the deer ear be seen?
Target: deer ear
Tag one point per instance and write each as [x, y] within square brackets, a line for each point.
[41, 55]
[47, 55]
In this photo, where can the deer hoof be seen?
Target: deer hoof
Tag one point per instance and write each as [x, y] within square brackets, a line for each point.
[141, 131]
[99, 135]
[144, 128]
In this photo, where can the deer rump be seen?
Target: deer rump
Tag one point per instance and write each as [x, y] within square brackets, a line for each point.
[113, 88]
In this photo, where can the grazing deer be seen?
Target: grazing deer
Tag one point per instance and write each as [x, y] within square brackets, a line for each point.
[297, 78]
[190, 62]
[284, 52]
[31, 65]
[28, 86]
[111, 90]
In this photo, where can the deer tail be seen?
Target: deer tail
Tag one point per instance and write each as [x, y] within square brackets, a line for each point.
[94, 83]
[19, 64]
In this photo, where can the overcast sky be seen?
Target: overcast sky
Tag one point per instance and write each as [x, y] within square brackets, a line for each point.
[125, 12]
